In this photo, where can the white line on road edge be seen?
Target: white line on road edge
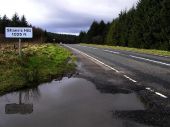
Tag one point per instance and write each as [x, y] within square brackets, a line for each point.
[94, 59]
[161, 95]
[130, 78]
[150, 60]
[157, 93]
[112, 51]
[149, 89]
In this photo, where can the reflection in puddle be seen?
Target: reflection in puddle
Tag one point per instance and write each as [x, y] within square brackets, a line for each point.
[18, 108]
[69, 102]
[23, 106]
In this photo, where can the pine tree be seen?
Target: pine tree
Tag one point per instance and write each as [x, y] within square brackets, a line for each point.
[144, 26]
[23, 22]
[93, 31]
[109, 36]
[0, 25]
[4, 23]
[165, 26]
[82, 37]
[15, 20]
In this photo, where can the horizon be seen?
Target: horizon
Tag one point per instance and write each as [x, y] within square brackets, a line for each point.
[71, 19]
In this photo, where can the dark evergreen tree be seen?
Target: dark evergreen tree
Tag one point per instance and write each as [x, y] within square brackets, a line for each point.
[165, 25]
[39, 34]
[146, 26]
[0, 25]
[23, 22]
[93, 31]
[15, 20]
[83, 37]
[97, 32]
[4, 23]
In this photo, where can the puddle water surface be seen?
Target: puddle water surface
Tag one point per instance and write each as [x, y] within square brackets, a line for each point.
[70, 102]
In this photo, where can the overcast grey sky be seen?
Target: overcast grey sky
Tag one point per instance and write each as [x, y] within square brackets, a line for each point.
[65, 16]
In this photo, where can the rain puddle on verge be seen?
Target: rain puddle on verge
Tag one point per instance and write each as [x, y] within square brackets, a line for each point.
[73, 102]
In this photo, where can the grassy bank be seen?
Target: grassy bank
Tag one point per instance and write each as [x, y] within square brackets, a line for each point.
[146, 51]
[39, 63]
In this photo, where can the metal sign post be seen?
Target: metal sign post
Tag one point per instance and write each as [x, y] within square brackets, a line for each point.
[19, 47]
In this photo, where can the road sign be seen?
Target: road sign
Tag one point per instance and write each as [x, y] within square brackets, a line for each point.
[18, 32]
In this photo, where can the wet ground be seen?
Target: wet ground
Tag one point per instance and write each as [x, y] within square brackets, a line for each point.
[94, 97]
[70, 102]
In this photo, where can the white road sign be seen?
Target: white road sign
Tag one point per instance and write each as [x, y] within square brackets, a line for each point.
[18, 32]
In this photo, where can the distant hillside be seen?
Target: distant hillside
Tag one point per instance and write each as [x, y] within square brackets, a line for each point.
[64, 38]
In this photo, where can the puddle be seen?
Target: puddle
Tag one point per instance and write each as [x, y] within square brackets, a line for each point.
[73, 102]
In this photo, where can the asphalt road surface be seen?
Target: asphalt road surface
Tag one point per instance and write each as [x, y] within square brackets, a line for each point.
[150, 71]
[122, 72]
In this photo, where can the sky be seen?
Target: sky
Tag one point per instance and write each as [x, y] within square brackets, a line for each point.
[65, 16]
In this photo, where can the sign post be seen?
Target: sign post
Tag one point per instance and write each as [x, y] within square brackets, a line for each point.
[18, 32]
[20, 47]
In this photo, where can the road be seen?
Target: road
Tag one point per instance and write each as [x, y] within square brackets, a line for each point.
[125, 73]
[150, 71]
[108, 89]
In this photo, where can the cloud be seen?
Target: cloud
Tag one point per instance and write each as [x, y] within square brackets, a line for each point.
[65, 15]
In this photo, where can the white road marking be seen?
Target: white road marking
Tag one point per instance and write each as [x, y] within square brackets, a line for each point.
[149, 89]
[157, 93]
[112, 51]
[82, 46]
[161, 95]
[130, 78]
[92, 48]
[159, 62]
[94, 60]
[87, 46]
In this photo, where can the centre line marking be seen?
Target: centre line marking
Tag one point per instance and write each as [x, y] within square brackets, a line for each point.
[94, 60]
[91, 47]
[159, 62]
[112, 51]
[87, 46]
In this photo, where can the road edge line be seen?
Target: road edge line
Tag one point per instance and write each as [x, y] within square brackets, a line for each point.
[94, 59]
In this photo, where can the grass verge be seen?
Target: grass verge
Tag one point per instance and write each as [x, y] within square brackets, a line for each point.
[39, 63]
[145, 51]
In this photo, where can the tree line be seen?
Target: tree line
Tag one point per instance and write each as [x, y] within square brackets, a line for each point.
[96, 34]
[39, 35]
[62, 38]
[16, 21]
[144, 26]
